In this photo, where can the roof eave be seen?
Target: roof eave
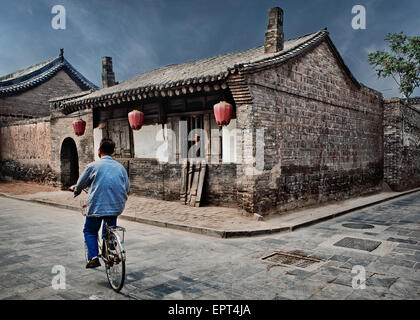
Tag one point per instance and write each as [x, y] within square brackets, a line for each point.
[299, 51]
[89, 85]
[191, 85]
[146, 92]
[43, 74]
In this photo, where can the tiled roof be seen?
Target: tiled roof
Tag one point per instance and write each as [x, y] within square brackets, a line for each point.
[24, 79]
[201, 71]
[71, 96]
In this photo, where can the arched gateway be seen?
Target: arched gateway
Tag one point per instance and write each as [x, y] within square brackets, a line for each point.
[69, 163]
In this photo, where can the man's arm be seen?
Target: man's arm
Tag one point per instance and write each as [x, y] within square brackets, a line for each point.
[84, 181]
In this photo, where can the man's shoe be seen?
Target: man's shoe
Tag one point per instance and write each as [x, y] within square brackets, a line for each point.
[93, 263]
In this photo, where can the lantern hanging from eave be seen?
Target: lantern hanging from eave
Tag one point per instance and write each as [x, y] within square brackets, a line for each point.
[79, 127]
[223, 112]
[136, 118]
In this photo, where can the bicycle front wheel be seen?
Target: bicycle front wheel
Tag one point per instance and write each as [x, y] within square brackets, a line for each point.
[115, 264]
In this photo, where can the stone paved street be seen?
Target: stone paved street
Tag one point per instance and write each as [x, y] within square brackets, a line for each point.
[209, 220]
[171, 264]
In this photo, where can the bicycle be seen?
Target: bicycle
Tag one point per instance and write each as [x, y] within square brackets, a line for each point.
[111, 251]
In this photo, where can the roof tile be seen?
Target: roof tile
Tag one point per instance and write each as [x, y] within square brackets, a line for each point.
[204, 70]
[38, 73]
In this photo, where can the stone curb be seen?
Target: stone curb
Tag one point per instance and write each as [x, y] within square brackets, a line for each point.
[340, 213]
[223, 233]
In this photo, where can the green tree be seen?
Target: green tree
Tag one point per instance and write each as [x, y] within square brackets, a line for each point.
[402, 63]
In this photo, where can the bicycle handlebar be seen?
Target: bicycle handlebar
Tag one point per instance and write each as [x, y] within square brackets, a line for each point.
[72, 188]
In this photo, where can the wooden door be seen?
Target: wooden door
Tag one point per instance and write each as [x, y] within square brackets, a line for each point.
[119, 132]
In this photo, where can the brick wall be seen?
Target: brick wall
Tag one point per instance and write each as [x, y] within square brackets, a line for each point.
[323, 134]
[35, 101]
[29, 139]
[149, 178]
[31, 149]
[61, 128]
[220, 185]
[25, 150]
[245, 183]
[402, 145]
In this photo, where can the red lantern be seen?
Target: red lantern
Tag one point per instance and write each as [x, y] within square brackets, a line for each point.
[223, 113]
[79, 127]
[136, 119]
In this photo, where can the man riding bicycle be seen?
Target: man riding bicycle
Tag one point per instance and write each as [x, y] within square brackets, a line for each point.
[108, 186]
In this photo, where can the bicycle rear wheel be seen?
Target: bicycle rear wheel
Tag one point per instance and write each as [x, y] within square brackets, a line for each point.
[115, 261]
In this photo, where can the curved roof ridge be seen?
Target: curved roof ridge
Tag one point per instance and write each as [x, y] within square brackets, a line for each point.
[309, 39]
[81, 77]
[38, 73]
[26, 73]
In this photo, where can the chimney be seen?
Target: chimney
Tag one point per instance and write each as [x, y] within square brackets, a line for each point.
[108, 76]
[274, 36]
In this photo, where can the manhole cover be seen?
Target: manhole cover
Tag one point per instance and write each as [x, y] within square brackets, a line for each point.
[290, 259]
[358, 226]
[359, 244]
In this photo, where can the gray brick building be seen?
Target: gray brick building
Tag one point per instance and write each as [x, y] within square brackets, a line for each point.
[402, 143]
[24, 94]
[321, 130]
[25, 132]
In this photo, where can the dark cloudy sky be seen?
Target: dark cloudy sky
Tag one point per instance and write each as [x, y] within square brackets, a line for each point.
[145, 34]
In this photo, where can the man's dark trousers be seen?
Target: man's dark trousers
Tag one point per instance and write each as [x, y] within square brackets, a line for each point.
[91, 229]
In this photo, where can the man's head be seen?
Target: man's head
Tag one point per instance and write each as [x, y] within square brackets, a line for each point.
[106, 147]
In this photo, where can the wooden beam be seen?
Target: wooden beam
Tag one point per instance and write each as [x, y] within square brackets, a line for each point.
[208, 133]
[163, 107]
[200, 184]
[191, 113]
[189, 181]
[184, 181]
[215, 142]
[194, 185]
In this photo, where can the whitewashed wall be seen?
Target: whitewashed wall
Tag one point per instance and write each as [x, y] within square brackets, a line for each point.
[97, 137]
[229, 143]
[150, 142]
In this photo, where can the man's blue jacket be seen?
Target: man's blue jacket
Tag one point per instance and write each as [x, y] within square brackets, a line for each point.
[108, 186]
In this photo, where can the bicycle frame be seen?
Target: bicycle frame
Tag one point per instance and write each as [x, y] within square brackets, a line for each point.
[108, 231]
